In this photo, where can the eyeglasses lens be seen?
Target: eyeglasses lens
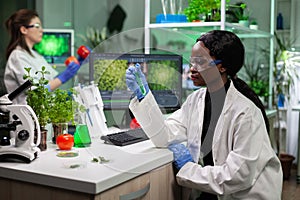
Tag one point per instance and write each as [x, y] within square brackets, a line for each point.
[201, 63]
[197, 63]
[37, 25]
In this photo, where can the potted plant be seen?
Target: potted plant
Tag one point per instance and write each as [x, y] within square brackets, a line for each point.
[283, 76]
[203, 10]
[38, 97]
[253, 25]
[256, 75]
[282, 71]
[57, 107]
[241, 13]
[62, 111]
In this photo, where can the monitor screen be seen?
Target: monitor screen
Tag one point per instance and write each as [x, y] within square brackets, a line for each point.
[163, 73]
[57, 45]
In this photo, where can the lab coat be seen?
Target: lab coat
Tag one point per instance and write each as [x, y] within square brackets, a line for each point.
[14, 71]
[245, 165]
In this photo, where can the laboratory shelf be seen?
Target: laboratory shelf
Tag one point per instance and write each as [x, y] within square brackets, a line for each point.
[192, 30]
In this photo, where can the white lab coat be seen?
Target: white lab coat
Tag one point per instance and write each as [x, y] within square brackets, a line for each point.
[14, 71]
[246, 166]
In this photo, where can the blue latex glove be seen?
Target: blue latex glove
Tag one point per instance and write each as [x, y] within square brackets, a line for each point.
[71, 70]
[80, 59]
[181, 155]
[136, 81]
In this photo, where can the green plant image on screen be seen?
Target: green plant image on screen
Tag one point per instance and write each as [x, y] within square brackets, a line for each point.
[162, 75]
[53, 46]
[110, 74]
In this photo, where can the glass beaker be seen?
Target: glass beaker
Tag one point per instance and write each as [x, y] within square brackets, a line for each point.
[82, 136]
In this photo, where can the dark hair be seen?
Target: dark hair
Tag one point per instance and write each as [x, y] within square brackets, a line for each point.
[13, 24]
[226, 46]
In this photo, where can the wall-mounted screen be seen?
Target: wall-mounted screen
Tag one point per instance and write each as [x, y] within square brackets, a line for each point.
[57, 45]
[163, 73]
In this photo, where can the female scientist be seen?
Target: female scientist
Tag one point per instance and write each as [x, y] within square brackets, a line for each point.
[25, 29]
[228, 154]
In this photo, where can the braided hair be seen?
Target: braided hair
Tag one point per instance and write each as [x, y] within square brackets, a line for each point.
[226, 46]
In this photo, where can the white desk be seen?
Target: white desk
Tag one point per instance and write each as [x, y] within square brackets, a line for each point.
[50, 171]
[297, 108]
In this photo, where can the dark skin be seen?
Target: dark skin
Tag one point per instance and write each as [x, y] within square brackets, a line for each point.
[214, 77]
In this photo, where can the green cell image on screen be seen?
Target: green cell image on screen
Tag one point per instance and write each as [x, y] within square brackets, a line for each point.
[52, 46]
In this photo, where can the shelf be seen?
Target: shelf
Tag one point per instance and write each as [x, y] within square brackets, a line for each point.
[196, 28]
[283, 31]
[245, 32]
[189, 31]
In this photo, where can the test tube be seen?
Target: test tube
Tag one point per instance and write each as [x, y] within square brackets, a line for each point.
[139, 80]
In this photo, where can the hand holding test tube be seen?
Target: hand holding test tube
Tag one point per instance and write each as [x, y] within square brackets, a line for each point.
[139, 79]
[136, 81]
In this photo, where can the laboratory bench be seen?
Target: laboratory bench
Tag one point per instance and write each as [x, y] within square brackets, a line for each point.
[128, 172]
[137, 170]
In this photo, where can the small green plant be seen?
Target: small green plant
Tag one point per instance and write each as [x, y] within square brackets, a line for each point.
[194, 10]
[260, 87]
[253, 22]
[241, 11]
[38, 97]
[50, 107]
[206, 8]
[256, 76]
[62, 106]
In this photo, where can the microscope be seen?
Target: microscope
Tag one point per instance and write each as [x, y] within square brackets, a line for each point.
[19, 129]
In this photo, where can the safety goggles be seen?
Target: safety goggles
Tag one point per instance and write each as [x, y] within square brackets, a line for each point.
[201, 63]
[36, 25]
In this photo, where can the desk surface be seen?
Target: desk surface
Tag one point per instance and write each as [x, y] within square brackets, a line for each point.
[125, 163]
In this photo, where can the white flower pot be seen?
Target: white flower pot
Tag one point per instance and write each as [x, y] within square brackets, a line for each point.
[253, 26]
[244, 23]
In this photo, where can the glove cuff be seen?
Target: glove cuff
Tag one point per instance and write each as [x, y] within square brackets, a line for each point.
[61, 78]
[138, 94]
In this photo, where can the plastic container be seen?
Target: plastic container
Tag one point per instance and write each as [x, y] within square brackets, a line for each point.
[170, 18]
